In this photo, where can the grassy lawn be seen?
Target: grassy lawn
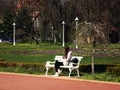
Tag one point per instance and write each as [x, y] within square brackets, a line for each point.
[101, 77]
[27, 53]
[31, 53]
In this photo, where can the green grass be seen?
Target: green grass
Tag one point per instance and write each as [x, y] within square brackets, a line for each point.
[27, 58]
[101, 77]
[101, 60]
[27, 53]
[32, 53]
[43, 58]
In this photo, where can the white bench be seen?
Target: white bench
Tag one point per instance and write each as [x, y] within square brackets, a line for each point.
[72, 66]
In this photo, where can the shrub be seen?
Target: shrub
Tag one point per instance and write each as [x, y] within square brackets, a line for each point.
[113, 70]
[3, 64]
[85, 68]
[98, 68]
[24, 67]
[1, 59]
[40, 68]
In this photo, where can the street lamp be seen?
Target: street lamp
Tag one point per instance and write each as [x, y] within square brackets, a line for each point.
[14, 34]
[63, 44]
[76, 20]
[53, 34]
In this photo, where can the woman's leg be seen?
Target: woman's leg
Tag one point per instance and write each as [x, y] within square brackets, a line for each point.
[57, 65]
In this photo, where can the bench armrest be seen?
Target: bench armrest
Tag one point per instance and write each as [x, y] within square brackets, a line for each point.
[49, 63]
[71, 64]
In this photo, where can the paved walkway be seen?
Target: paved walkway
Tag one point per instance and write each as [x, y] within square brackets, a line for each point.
[11, 81]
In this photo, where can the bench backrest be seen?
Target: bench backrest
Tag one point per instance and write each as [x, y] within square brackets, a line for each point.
[78, 57]
[58, 57]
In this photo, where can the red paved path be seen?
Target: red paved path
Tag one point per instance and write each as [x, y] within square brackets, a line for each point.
[28, 82]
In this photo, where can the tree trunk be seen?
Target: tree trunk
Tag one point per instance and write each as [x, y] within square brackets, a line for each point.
[93, 58]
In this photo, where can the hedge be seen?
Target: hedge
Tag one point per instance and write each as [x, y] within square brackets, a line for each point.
[97, 67]
[38, 67]
[1, 59]
[113, 70]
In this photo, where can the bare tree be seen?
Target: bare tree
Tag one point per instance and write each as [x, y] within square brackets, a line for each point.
[93, 34]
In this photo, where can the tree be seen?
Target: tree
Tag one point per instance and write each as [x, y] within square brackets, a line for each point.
[91, 33]
[28, 14]
[23, 24]
[50, 13]
[7, 17]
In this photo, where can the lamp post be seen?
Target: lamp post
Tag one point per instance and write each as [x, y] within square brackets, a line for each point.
[63, 43]
[76, 20]
[14, 34]
[53, 34]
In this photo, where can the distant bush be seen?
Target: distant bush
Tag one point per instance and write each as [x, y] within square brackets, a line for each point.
[98, 68]
[28, 67]
[113, 70]
[1, 59]
[40, 68]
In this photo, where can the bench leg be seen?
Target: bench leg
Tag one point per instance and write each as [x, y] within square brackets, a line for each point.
[78, 73]
[46, 71]
[70, 70]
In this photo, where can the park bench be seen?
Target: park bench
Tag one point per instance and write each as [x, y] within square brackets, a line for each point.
[72, 66]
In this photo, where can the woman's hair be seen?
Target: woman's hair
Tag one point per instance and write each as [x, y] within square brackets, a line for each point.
[66, 51]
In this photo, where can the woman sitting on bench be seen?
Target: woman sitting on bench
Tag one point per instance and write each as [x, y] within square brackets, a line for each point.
[65, 61]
